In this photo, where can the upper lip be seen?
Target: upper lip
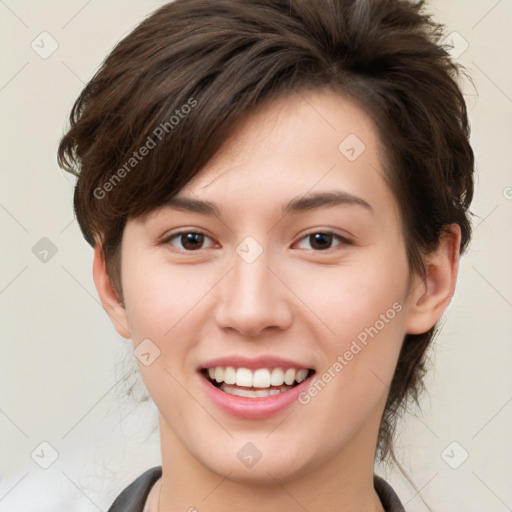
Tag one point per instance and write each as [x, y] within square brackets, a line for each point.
[264, 361]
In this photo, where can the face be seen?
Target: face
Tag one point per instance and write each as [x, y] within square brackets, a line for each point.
[298, 263]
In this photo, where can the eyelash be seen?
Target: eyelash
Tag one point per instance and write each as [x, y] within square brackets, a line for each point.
[343, 240]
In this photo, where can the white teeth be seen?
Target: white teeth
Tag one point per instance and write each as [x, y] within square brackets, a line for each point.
[289, 376]
[277, 378]
[230, 375]
[301, 375]
[243, 377]
[260, 378]
[249, 393]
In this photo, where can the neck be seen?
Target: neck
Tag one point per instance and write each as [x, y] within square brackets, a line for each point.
[345, 480]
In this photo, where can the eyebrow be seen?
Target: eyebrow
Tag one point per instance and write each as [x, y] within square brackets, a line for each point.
[299, 204]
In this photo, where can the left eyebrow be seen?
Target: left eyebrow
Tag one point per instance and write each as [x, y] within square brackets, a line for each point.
[298, 204]
[324, 199]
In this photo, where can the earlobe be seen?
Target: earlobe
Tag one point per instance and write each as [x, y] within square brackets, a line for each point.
[431, 296]
[108, 295]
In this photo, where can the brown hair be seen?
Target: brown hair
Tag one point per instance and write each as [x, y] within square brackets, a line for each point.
[193, 69]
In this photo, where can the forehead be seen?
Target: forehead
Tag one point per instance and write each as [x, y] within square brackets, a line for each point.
[293, 146]
[316, 120]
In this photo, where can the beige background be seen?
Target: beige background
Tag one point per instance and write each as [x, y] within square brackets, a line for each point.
[62, 361]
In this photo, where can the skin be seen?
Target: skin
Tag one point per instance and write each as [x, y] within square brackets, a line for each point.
[295, 300]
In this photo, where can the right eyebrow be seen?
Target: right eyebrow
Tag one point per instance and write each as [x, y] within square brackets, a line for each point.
[194, 205]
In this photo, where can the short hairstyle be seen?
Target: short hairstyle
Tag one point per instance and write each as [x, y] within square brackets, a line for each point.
[180, 82]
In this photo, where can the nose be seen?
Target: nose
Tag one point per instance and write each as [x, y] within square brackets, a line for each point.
[253, 298]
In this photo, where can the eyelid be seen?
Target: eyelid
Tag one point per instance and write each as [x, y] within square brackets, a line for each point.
[343, 239]
[168, 237]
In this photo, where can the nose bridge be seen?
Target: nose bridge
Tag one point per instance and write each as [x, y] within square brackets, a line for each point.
[252, 296]
[251, 274]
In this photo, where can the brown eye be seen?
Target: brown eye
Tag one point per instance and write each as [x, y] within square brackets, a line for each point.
[189, 240]
[321, 241]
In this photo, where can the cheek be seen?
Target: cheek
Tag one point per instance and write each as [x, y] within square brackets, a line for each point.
[165, 305]
[159, 298]
[355, 297]
[358, 360]
[159, 305]
[362, 312]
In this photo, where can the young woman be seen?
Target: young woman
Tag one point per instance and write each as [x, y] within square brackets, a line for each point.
[277, 193]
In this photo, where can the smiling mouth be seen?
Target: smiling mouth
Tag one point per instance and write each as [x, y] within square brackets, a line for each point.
[258, 383]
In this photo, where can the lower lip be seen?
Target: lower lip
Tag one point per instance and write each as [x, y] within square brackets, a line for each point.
[253, 408]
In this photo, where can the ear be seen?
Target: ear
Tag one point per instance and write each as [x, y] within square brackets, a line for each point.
[431, 295]
[107, 293]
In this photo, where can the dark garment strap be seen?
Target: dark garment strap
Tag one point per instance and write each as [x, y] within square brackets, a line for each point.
[387, 495]
[134, 497]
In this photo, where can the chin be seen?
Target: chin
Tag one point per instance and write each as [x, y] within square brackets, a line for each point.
[262, 474]
[260, 463]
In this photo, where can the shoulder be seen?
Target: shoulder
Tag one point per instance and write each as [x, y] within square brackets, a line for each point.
[387, 495]
[133, 498]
